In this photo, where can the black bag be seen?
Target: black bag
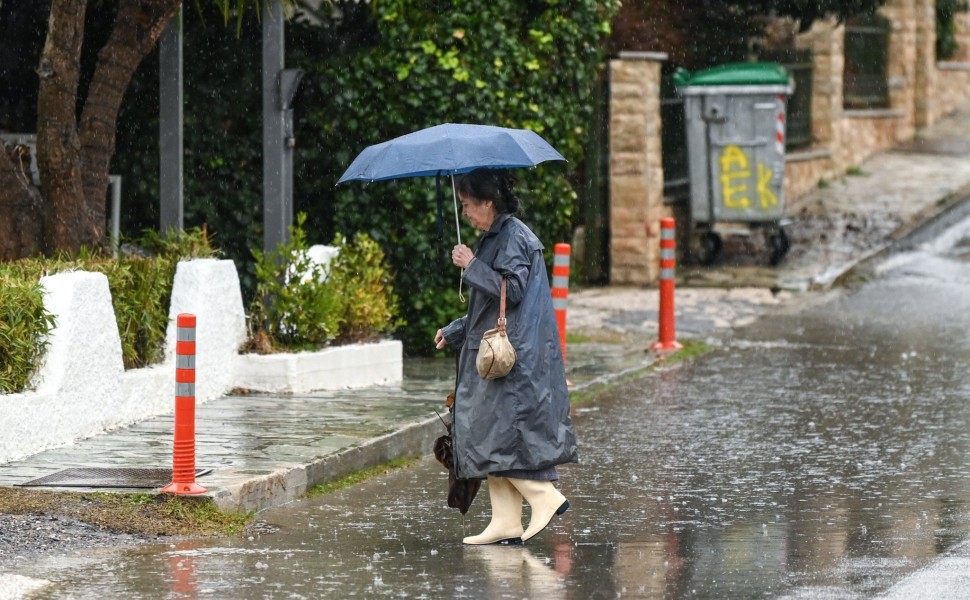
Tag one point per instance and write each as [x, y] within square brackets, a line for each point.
[461, 492]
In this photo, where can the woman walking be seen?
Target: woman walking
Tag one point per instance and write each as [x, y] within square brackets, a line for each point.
[514, 430]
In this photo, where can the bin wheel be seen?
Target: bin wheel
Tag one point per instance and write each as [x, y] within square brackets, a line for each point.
[709, 248]
[778, 245]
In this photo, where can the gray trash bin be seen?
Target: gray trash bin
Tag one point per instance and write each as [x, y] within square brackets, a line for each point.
[735, 118]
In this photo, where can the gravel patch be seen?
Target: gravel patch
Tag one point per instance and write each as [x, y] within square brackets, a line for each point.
[29, 537]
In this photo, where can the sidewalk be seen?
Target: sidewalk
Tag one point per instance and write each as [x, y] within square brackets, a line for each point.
[267, 450]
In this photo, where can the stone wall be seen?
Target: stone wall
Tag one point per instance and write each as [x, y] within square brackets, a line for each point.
[636, 171]
[925, 108]
[901, 74]
[952, 86]
[803, 171]
[921, 91]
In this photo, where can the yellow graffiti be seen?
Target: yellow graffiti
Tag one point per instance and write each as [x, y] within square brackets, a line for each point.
[767, 197]
[734, 165]
[735, 172]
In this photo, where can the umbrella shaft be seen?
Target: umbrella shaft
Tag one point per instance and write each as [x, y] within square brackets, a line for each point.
[454, 198]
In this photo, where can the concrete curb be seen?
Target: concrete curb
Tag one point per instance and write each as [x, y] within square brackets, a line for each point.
[291, 483]
[415, 439]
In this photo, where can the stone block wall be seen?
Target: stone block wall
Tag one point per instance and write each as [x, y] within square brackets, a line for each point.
[926, 109]
[952, 86]
[827, 43]
[803, 170]
[636, 168]
[901, 69]
[921, 91]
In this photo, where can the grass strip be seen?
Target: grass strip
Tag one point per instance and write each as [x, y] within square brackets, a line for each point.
[361, 476]
[135, 513]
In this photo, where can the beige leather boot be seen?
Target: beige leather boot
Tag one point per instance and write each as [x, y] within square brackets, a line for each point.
[546, 502]
[506, 524]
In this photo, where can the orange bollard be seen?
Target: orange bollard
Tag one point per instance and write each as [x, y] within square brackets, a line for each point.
[560, 290]
[666, 315]
[183, 454]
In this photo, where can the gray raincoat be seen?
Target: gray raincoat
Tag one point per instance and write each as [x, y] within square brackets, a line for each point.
[520, 421]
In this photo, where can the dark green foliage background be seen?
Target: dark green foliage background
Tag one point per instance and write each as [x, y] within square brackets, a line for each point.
[385, 69]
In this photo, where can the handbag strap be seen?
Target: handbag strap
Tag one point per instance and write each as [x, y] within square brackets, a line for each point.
[500, 324]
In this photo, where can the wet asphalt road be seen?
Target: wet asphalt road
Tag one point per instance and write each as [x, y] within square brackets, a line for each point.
[819, 455]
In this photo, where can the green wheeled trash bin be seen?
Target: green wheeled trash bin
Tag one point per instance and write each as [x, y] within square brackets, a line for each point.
[735, 119]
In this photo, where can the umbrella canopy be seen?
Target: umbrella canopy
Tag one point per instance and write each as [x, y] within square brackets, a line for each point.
[450, 149]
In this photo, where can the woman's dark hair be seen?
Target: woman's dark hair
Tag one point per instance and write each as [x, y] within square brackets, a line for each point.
[491, 184]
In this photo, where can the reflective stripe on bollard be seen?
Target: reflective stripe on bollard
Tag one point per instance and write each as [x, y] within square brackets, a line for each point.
[668, 253]
[560, 290]
[183, 453]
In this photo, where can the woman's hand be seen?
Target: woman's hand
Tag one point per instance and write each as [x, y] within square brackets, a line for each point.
[462, 256]
[439, 340]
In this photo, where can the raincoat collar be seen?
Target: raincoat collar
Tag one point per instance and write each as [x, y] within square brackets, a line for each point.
[497, 224]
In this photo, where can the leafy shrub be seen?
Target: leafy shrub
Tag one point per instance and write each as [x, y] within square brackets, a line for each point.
[301, 306]
[24, 326]
[293, 307]
[141, 291]
[361, 277]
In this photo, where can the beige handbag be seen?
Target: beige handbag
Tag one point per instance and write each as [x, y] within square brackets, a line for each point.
[496, 356]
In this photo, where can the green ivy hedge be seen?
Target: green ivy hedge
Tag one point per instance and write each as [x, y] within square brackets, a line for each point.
[384, 69]
[507, 63]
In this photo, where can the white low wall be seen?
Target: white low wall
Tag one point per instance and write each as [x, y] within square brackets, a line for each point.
[82, 388]
[79, 383]
[334, 368]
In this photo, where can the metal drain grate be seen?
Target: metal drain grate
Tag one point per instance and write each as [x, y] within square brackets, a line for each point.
[107, 478]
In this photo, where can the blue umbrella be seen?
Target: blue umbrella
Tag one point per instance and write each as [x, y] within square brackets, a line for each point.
[450, 149]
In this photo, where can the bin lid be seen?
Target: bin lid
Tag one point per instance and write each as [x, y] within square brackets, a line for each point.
[746, 73]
